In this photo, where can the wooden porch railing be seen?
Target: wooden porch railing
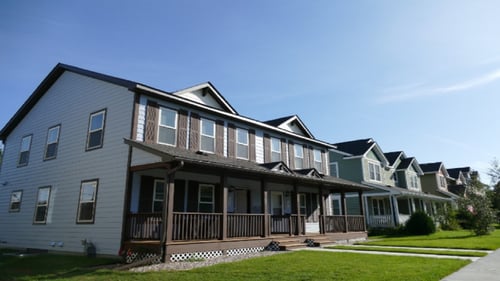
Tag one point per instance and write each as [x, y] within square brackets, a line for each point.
[143, 226]
[287, 224]
[382, 221]
[338, 223]
[196, 226]
[245, 225]
[356, 223]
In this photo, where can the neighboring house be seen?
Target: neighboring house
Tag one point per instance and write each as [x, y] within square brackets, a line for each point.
[435, 180]
[395, 178]
[458, 180]
[95, 159]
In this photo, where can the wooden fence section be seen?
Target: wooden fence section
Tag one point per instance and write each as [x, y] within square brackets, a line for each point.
[356, 223]
[334, 224]
[287, 224]
[143, 226]
[196, 226]
[245, 225]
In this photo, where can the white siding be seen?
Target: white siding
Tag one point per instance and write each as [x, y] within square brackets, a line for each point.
[69, 102]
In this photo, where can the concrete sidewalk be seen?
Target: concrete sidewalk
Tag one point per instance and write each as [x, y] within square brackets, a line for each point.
[484, 269]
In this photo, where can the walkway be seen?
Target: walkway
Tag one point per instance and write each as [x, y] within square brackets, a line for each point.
[485, 269]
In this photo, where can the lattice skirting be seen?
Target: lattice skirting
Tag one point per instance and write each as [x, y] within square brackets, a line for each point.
[273, 246]
[244, 251]
[134, 256]
[214, 254]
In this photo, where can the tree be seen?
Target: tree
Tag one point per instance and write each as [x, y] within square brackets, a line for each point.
[494, 172]
[494, 193]
[475, 209]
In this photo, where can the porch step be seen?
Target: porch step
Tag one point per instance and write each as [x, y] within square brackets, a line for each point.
[286, 244]
[318, 241]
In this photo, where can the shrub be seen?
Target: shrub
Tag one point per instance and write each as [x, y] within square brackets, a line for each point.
[446, 218]
[420, 224]
[387, 231]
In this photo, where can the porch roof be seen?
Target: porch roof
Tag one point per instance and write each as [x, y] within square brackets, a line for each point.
[169, 154]
[400, 192]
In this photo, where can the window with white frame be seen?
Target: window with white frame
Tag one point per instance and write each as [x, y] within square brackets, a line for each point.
[241, 143]
[374, 171]
[15, 201]
[95, 135]
[167, 129]
[275, 150]
[336, 207]
[303, 204]
[318, 161]
[206, 198]
[87, 202]
[413, 181]
[158, 193]
[442, 181]
[207, 143]
[379, 207]
[52, 142]
[299, 156]
[334, 169]
[24, 153]
[395, 178]
[42, 205]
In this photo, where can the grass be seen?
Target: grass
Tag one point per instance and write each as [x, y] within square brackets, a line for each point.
[460, 239]
[300, 265]
[414, 251]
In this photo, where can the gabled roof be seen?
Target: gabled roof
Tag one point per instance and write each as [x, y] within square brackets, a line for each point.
[431, 167]
[208, 89]
[279, 166]
[289, 122]
[393, 156]
[455, 172]
[355, 147]
[410, 161]
[309, 172]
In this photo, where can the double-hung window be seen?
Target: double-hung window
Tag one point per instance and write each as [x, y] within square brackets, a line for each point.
[167, 127]
[378, 207]
[86, 206]
[52, 142]
[42, 205]
[24, 153]
[158, 194]
[15, 201]
[95, 135]
[318, 162]
[241, 143]
[206, 198]
[299, 156]
[334, 169]
[207, 143]
[275, 150]
[374, 171]
[442, 181]
[303, 204]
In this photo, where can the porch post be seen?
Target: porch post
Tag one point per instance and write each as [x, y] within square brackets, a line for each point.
[322, 209]
[265, 209]
[296, 210]
[167, 214]
[362, 207]
[224, 207]
[344, 210]
[396, 209]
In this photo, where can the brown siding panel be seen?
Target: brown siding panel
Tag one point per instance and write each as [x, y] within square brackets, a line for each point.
[284, 157]
[307, 157]
[219, 137]
[231, 144]
[182, 129]
[323, 161]
[267, 148]
[151, 122]
[291, 152]
[194, 134]
[251, 145]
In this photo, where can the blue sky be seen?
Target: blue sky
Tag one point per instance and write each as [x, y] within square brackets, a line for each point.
[417, 76]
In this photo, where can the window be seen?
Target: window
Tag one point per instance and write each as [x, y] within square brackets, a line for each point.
[413, 181]
[334, 169]
[158, 193]
[207, 143]
[15, 201]
[378, 207]
[442, 181]
[168, 126]
[302, 200]
[42, 205]
[336, 207]
[241, 143]
[395, 178]
[374, 170]
[86, 206]
[275, 150]
[299, 156]
[24, 153]
[206, 198]
[318, 162]
[95, 135]
[52, 142]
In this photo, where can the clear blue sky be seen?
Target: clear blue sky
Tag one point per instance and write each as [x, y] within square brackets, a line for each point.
[417, 76]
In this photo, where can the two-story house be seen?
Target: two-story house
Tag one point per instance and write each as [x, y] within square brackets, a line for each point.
[395, 180]
[458, 180]
[435, 180]
[92, 159]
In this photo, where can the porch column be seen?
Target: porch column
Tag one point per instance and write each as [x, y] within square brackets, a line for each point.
[265, 209]
[412, 205]
[296, 210]
[224, 207]
[396, 210]
[362, 207]
[344, 210]
[322, 209]
[168, 211]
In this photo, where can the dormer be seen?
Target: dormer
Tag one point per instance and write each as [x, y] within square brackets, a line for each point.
[208, 95]
[292, 124]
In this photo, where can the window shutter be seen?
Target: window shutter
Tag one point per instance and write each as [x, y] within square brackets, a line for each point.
[182, 129]
[284, 157]
[267, 148]
[231, 135]
[151, 122]
[251, 145]
[291, 152]
[194, 134]
[219, 137]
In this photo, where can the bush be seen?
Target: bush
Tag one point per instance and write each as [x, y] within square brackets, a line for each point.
[420, 224]
[387, 231]
[446, 218]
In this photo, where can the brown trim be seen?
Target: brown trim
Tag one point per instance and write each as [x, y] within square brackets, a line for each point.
[87, 148]
[219, 137]
[194, 132]
[182, 128]
[284, 156]
[291, 153]
[45, 158]
[231, 144]
[224, 191]
[324, 162]
[135, 116]
[161, 165]
[362, 207]
[94, 203]
[36, 206]
[251, 145]
[267, 148]
[152, 112]
[306, 161]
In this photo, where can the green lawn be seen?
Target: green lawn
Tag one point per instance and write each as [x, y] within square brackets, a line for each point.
[460, 239]
[300, 265]
[414, 250]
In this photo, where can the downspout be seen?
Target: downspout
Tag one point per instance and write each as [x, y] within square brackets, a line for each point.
[165, 215]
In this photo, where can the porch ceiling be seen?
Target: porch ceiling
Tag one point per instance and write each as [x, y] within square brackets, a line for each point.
[191, 158]
[402, 192]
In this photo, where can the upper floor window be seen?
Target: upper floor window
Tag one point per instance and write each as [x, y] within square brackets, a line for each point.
[395, 178]
[414, 181]
[168, 126]
[241, 143]
[275, 150]
[24, 153]
[318, 162]
[374, 170]
[207, 143]
[158, 193]
[95, 135]
[15, 201]
[42, 205]
[442, 181]
[299, 156]
[86, 205]
[52, 142]
[334, 169]
[206, 198]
